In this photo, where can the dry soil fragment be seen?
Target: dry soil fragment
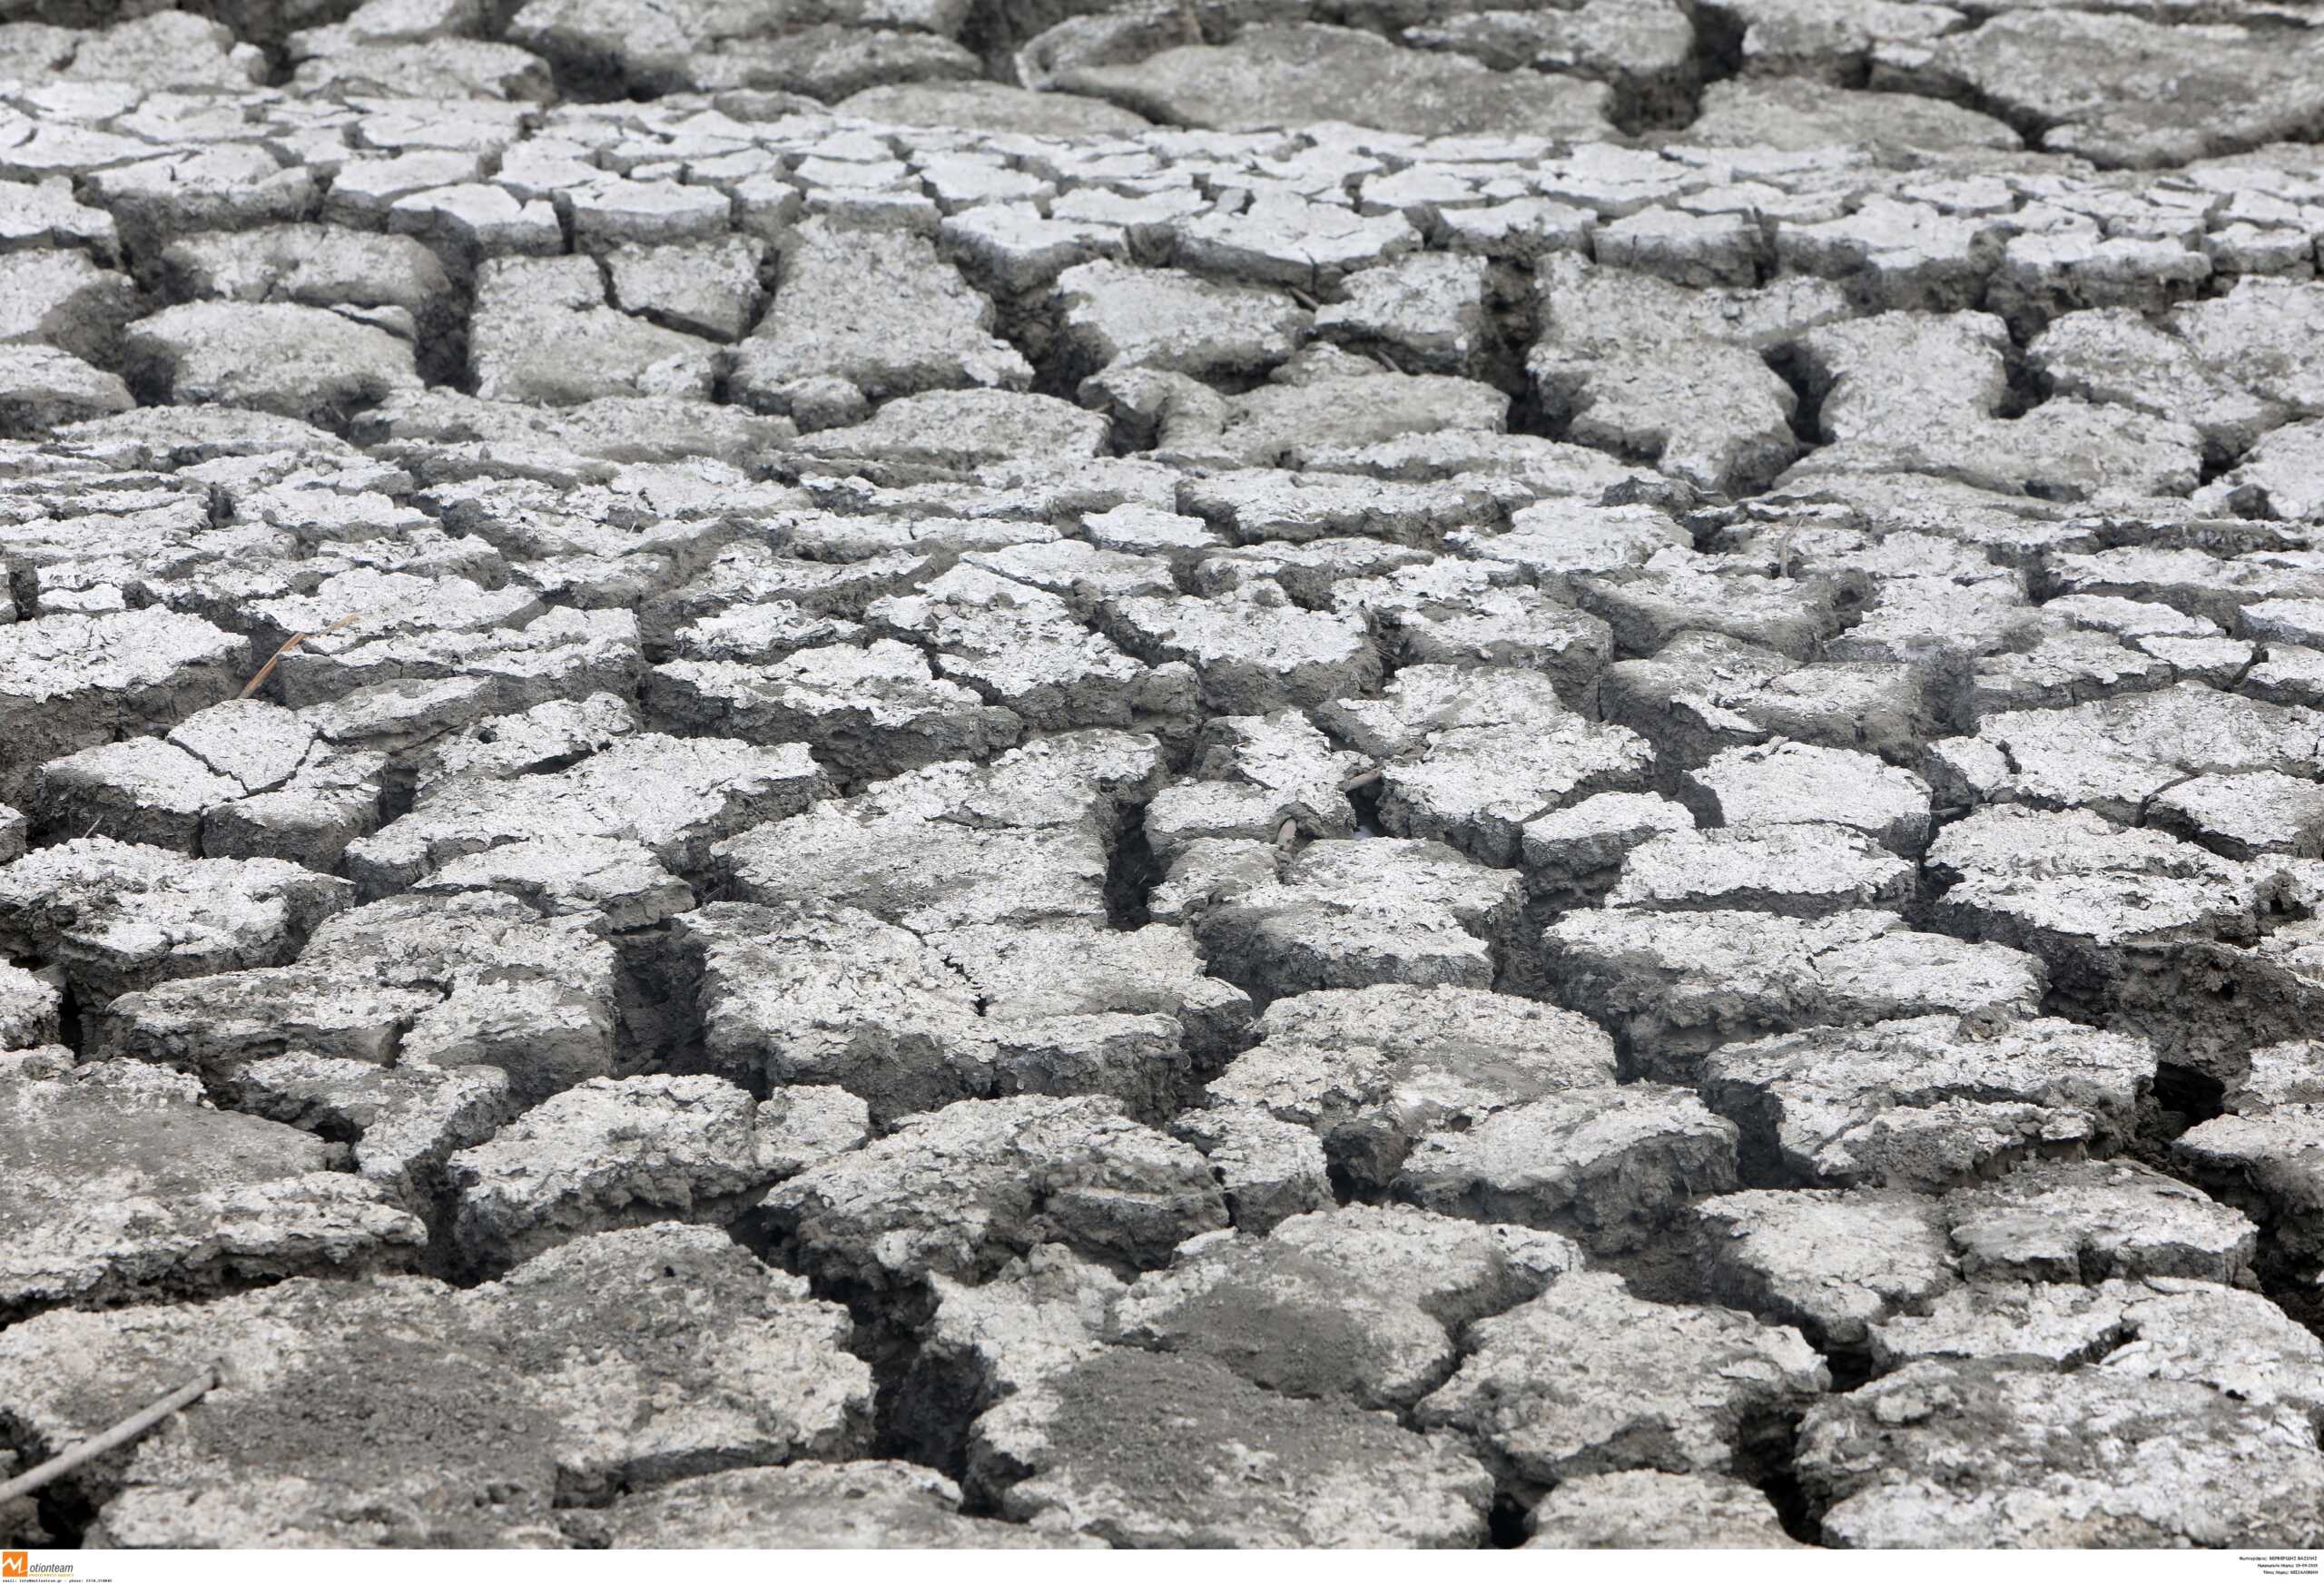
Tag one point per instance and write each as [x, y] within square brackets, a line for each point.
[1587, 1380]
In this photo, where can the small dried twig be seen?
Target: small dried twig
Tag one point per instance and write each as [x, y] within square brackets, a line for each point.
[289, 643]
[128, 1430]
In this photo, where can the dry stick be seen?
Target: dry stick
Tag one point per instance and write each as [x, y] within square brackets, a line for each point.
[289, 643]
[128, 1430]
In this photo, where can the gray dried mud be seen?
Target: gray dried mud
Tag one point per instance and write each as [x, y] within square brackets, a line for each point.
[941, 775]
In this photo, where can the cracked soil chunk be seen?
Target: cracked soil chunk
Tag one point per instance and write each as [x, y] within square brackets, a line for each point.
[1284, 75]
[961, 1191]
[1607, 1166]
[1219, 1462]
[2180, 1464]
[609, 1378]
[1588, 1378]
[1927, 1102]
[123, 1183]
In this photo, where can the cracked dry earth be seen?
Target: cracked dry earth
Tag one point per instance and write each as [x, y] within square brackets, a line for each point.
[1017, 812]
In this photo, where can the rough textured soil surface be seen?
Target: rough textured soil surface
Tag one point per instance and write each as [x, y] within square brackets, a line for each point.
[934, 773]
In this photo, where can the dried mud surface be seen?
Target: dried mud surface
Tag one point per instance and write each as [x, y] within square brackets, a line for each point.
[940, 773]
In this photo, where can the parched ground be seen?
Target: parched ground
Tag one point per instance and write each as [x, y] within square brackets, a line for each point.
[989, 773]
